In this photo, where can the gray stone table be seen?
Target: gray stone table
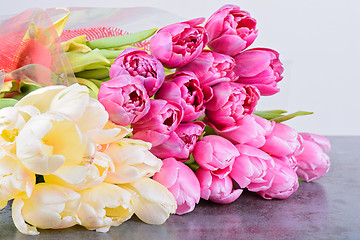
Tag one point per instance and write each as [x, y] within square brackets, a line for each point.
[326, 209]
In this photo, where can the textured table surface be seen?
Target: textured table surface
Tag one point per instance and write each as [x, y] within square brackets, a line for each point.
[326, 209]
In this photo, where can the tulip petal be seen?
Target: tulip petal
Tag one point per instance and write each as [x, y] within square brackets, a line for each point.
[19, 220]
[94, 116]
[229, 198]
[71, 101]
[40, 98]
[156, 202]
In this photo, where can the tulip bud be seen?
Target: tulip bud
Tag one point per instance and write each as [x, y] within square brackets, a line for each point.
[261, 68]
[285, 182]
[313, 163]
[211, 68]
[181, 181]
[125, 99]
[162, 119]
[138, 63]
[250, 130]
[154, 203]
[15, 179]
[178, 44]
[216, 154]
[250, 168]
[105, 205]
[230, 30]
[230, 102]
[181, 142]
[184, 89]
[283, 141]
[215, 189]
[49, 206]
[132, 160]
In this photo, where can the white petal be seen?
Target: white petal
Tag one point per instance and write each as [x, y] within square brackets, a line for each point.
[19, 220]
[43, 218]
[40, 98]
[71, 101]
[110, 133]
[94, 117]
[156, 203]
[101, 200]
[47, 140]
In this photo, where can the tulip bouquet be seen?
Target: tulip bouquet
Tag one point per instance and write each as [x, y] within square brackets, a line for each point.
[144, 123]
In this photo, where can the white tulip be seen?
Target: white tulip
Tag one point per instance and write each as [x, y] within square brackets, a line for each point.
[14, 178]
[105, 205]
[154, 203]
[132, 160]
[12, 120]
[49, 206]
[48, 140]
[83, 175]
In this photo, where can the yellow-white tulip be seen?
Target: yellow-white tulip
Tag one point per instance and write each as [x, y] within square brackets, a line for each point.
[13, 119]
[48, 140]
[83, 175]
[105, 205]
[132, 160]
[14, 178]
[74, 101]
[49, 206]
[154, 203]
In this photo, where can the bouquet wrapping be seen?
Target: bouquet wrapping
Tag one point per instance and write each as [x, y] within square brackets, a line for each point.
[106, 113]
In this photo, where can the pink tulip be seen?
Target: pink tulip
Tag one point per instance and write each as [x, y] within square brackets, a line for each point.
[216, 154]
[211, 68]
[184, 89]
[313, 163]
[322, 141]
[137, 62]
[162, 119]
[230, 30]
[250, 130]
[181, 141]
[215, 189]
[289, 161]
[284, 184]
[283, 141]
[250, 168]
[177, 44]
[230, 102]
[260, 67]
[181, 181]
[125, 99]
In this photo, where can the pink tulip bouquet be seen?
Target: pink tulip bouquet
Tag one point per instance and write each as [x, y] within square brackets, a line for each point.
[98, 124]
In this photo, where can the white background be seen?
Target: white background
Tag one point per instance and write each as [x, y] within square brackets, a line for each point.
[318, 41]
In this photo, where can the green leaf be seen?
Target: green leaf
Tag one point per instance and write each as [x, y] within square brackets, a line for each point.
[118, 41]
[209, 131]
[269, 114]
[93, 89]
[26, 88]
[191, 163]
[191, 160]
[86, 61]
[110, 53]
[7, 102]
[168, 71]
[98, 73]
[290, 116]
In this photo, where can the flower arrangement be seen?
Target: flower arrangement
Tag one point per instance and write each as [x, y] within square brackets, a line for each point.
[96, 129]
